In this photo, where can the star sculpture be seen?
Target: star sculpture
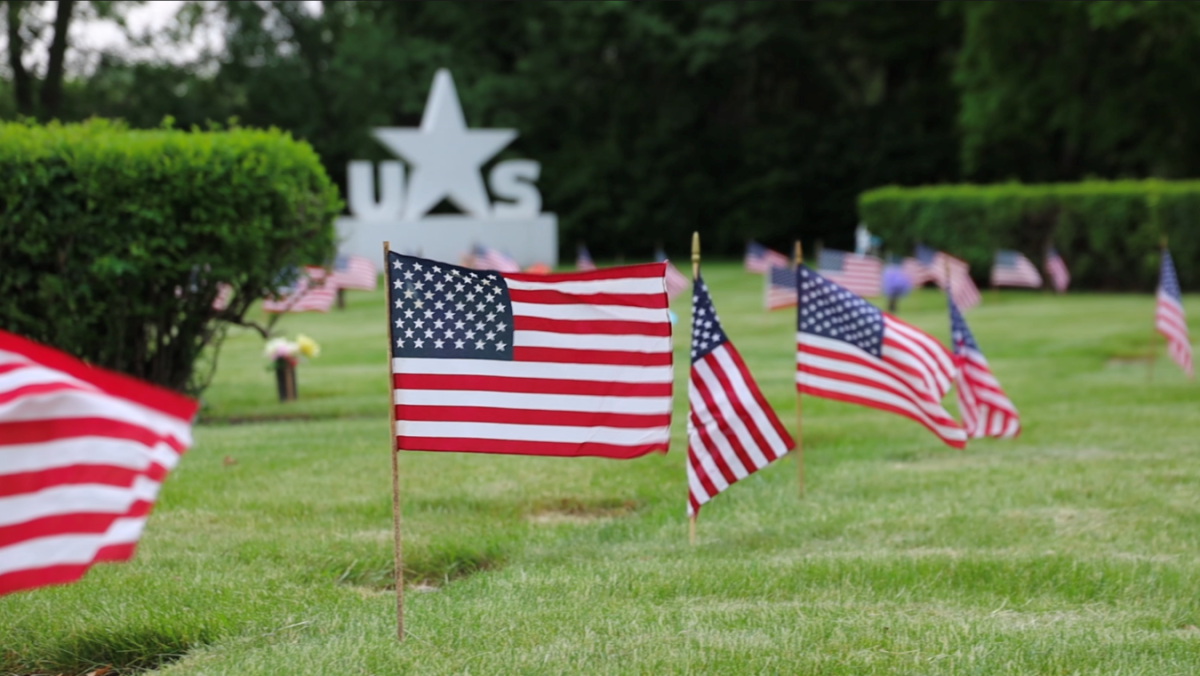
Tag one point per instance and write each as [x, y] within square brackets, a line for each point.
[444, 156]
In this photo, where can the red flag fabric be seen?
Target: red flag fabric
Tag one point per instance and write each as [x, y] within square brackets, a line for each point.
[732, 431]
[82, 454]
[563, 364]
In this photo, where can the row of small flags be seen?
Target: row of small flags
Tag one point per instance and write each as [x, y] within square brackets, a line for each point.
[864, 274]
[570, 364]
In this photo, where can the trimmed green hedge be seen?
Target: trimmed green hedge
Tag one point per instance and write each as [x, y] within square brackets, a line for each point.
[1106, 231]
[113, 242]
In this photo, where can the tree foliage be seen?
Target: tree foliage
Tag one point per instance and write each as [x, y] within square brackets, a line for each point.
[113, 242]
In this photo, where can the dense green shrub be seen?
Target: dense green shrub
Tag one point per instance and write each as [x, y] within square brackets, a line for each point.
[112, 242]
[1107, 232]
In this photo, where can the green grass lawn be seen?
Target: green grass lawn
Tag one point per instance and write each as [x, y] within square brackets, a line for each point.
[1073, 550]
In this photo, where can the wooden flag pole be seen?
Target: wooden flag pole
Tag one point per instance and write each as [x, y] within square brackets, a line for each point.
[799, 260]
[695, 274]
[395, 445]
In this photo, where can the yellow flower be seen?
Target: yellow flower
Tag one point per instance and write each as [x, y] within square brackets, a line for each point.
[308, 346]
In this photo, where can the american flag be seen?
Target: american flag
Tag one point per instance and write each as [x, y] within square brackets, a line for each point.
[82, 454]
[354, 272]
[487, 258]
[732, 431]
[779, 288]
[1010, 268]
[930, 266]
[759, 258]
[310, 292]
[676, 282]
[859, 273]
[583, 260]
[563, 364]
[985, 409]
[848, 350]
[1057, 269]
[1168, 315]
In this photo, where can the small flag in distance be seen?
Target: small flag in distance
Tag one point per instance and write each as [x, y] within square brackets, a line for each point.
[779, 288]
[1169, 319]
[1011, 268]
[759, 258]
[310, 292]
[1060, 277]
[354, 272]
[859, 273]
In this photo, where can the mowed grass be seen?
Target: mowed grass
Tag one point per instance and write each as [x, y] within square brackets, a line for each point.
[1073, 550]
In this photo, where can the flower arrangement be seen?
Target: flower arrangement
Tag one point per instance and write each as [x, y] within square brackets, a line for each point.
[284, 355]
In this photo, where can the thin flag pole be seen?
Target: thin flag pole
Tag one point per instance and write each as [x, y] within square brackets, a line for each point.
[799, 260]
[398, 553]
[695, 274]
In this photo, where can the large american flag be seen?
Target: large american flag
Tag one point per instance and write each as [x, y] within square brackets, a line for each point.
[354, 272]
[583, 260]
[82, 454]
[779, 287]
[848, 350]
[1060, 277]
[487, 258]
[1168, 315]
[732, 431]
[986, 411]
[859, 273]
[676, 282]
[563, 364]
[930, 266]
[310, 292]
[1011, 268]
[759, 258]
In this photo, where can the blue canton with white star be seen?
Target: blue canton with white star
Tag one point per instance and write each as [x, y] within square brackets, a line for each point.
[1168, 283]
[707, 334]
[960, 334]
[829, 311]
[445, 311]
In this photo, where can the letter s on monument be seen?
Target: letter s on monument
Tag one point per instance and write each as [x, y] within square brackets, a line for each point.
[514, 180]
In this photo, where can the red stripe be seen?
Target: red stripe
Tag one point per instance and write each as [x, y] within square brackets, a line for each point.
[908, 392]
[642, 271]
[548, 297]
[557, 355]
[613, 328]
[710, 489]
[115, 384]
[738, 409]
[35, 389]
[76, 523]
[871, 403]
[723, 427]
[114, 553]
[766, 409]
[12, 366]
[548, 448]
[32, 578]
[516, 416]
[42, 431]
[71, 475]
[415, 381]
[714, 453]
[857, 380]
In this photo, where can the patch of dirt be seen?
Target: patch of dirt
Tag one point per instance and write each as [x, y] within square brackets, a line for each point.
[559, 511]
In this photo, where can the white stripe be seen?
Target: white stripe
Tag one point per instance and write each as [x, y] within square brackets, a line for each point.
[926, 407]
[619, 436]
[880, 396]
[704, 456]
[709, 423]
[942, 362]
[650, 286]
[570, 341]
[60, 550]
[761, 420]
[720, 397]
[606, 373]
[21, 458]
[75, 498]
[533, 402]
[591, 313]
[78, 404]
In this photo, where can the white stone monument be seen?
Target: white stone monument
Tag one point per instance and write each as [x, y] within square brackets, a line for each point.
[445, 161]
